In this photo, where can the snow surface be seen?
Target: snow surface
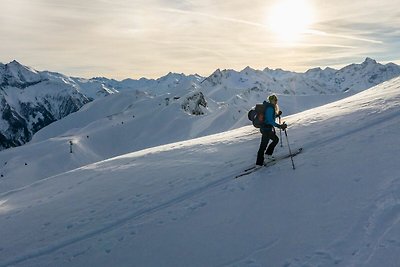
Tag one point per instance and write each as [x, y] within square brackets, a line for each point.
[127, 122]
[178, 204]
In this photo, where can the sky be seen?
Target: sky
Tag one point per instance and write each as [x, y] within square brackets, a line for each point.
[149, 38]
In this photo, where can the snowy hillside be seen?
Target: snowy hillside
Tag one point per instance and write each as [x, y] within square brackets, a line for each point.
[178, 204]
[127, 122]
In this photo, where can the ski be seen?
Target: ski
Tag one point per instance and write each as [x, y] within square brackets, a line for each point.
[268, 163]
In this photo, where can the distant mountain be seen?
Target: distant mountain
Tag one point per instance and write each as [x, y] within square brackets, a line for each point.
[173, 83]
[30, 99]
[352, 78]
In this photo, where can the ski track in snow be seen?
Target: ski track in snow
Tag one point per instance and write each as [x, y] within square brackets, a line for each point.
[111, 226]
[370, 234]
[376, 122]
[251, 260]
[385, 216]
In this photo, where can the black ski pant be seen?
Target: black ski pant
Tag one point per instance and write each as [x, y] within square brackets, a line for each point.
[266, 136]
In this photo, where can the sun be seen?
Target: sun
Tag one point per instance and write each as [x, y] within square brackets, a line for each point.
[289, 19]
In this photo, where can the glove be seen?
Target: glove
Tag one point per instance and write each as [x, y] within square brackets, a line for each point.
[283, 126]
[279, 113]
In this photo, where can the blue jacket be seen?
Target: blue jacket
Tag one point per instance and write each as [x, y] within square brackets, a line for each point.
[269, 116]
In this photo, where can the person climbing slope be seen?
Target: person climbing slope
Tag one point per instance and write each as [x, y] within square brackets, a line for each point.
[267, 129]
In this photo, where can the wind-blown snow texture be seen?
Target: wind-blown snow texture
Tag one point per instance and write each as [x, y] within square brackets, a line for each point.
[178, 204]
[31, 100]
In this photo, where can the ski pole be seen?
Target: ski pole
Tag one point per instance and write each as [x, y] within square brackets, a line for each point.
[280, 131]
[290, 151]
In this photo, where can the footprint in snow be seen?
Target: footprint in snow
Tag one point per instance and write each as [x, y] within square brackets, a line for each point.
[197, 205]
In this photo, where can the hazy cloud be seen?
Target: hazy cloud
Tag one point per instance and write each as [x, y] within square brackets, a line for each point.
[138, 38]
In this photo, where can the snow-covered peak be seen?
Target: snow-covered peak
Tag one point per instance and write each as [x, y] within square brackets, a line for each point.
[330, 70]
[15, 74]
[279, 74]
[175, 78]
[357, 77]
[367, 64]
[313, 70]
[171, 76]
[247, 70]
[215, 77]
[369, 61]
[14, 66]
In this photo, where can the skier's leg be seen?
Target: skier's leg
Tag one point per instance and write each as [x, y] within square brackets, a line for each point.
[263, 146]
[275, 141]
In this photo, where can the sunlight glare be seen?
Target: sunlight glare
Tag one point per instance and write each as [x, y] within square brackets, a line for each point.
[288, 19]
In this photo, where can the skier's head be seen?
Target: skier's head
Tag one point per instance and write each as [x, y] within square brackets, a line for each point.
[273, 99]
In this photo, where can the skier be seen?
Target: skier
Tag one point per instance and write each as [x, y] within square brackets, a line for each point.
[271, 110]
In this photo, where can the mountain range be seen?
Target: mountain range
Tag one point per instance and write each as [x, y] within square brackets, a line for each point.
[31, 99]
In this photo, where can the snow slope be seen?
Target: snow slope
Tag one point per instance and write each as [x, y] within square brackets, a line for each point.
[178, 204]
[123, 123]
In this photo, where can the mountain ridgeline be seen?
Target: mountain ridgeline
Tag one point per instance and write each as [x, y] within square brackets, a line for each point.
[31, 100]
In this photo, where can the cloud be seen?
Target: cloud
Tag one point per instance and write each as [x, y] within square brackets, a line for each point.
[119, 39]
[343, 36]
[221, 18]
